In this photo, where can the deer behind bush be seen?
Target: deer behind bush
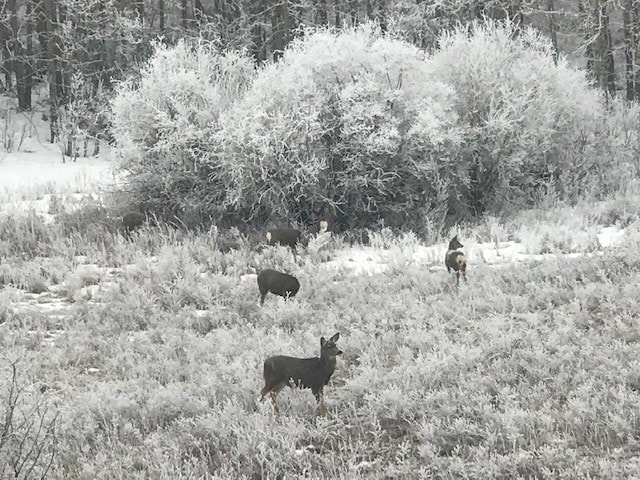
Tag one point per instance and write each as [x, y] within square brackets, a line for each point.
[132, 220]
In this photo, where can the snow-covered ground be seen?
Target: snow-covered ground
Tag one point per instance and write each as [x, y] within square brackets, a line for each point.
[29, 164]
[372, 260]
[44, 167]
[35, 177]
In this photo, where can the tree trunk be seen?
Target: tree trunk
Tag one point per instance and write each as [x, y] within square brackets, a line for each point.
[598, 44]
[516, 15]
[258, 35]
[161, 15]
[29, 57]
[382, 15]
[277, 31]
[199, 14]
[140, 10]
[14, 43]
[63, 74]
[629, 47]
[184, 16]
[635, 28]
[352, 5]
[588, 28]
[322, 16]
[41, 25]
[607, 52]
[281, 28]
[5, 35]
[553, 30]
[18, 56]
[50, 10]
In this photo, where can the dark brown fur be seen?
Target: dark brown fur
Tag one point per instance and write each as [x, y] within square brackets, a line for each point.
[288, 237]
[132, 220]
[313, 373]
[278, 283]
[455, 260]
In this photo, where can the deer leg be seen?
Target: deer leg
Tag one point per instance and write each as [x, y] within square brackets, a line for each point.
[275, 403]
[321, 410]
[272, 391]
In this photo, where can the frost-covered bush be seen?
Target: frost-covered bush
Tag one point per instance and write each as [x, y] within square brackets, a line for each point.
[351, 121]
[163, 123]
[361, 125]
[529, 126]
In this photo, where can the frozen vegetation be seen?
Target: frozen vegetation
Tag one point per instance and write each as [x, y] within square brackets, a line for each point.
[140, 354]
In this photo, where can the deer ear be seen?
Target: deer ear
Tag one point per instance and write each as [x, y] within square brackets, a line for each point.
[322, 341]
[335, 337]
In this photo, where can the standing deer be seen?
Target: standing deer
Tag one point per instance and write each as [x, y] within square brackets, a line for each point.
[455, 259]
[278, 283]
[132, 220]
[288, 237]
[291, 237]
[313, 373]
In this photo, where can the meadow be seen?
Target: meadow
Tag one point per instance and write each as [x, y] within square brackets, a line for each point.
[142, 357]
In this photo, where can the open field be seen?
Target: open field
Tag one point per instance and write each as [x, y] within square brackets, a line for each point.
[143, 358]
[138, 353]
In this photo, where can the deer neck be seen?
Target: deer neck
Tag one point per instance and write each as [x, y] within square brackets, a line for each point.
[328, 363]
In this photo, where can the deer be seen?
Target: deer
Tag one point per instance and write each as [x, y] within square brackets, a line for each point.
[277, 283]
[288, 237]
[132, 220]
[319, 227]
[313, 373]
[292, 237]
[455, 260]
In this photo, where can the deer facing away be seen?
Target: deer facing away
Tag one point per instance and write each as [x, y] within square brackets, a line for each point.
[313, 373]
[455, 260]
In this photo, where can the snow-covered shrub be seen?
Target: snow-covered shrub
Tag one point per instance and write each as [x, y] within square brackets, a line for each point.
[164, 121]
[362, 125]
[530, 127]
[353, 121]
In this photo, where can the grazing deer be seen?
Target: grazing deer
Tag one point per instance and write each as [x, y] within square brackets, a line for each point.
[313, 373]
[455, 259]
[278, 283]
[132, 220]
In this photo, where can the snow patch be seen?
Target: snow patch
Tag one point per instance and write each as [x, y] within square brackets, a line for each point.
[610, 236]
[371, 261]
